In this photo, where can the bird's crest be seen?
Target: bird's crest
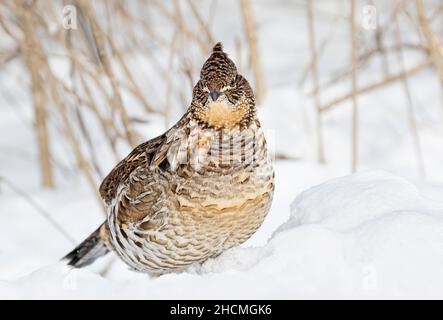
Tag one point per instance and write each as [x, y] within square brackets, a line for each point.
[218, 67]
[218, 48]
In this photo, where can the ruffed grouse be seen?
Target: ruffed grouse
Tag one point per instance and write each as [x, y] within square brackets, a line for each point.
[202, 187]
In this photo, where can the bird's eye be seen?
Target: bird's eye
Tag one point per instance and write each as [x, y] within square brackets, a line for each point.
[230, 86]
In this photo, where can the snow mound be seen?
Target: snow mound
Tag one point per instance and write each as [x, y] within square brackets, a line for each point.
[346, 203]
[369, 235]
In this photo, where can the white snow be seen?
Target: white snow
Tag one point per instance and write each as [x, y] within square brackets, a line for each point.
[375, 234]
[368, 235]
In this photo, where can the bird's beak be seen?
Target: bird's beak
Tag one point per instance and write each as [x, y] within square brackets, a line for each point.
[214, 95]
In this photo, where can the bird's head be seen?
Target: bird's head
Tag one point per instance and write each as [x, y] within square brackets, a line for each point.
[222, 98]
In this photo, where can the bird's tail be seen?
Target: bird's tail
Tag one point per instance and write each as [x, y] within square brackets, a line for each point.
[90, 249]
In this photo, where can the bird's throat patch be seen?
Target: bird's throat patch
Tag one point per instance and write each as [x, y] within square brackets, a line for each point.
[220, 115]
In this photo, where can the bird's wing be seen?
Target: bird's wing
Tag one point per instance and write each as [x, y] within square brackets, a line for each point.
[140, 156]
[151, 153]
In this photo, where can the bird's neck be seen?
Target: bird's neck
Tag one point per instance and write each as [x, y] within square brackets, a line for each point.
[220, 115]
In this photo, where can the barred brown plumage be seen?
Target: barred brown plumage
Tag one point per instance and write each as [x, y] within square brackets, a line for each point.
[197, 190]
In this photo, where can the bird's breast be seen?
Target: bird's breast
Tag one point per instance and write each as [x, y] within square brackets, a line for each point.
[222, 169]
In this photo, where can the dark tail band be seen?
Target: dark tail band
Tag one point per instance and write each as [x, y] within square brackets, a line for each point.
[88, 251]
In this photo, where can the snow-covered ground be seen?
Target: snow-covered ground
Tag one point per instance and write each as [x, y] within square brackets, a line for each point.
[368, 235]
[375, 234]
